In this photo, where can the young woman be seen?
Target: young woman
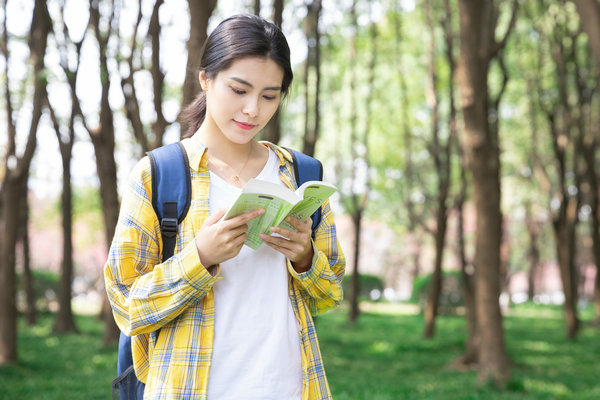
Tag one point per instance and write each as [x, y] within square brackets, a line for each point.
[219, 320]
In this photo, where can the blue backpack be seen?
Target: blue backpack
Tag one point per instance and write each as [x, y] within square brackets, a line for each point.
[171, 198]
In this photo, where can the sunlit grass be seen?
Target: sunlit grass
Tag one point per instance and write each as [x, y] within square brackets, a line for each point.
[382, 357]
[57, 367]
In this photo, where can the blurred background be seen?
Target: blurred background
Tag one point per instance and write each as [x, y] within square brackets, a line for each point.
[462, 135]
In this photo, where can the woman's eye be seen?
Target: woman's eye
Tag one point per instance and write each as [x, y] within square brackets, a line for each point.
[237, 91]
[269, 97]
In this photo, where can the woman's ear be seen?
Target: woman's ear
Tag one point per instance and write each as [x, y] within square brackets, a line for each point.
[203, 80]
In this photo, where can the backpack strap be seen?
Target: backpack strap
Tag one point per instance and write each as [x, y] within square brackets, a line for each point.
[171, 198]
[171, 191]
[307, 168]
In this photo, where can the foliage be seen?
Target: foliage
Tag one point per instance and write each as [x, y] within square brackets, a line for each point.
[381, 357]
[45, 288]
[367, 284]
[450, 296]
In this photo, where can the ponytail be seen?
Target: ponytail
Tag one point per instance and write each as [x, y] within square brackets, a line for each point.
[193, 115]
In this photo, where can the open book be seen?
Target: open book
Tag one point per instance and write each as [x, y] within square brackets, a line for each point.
[278, 202]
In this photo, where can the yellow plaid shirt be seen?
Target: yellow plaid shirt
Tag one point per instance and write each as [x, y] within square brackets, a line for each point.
[168, 307]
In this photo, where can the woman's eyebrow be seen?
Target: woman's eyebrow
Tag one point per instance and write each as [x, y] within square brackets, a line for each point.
[243, 82]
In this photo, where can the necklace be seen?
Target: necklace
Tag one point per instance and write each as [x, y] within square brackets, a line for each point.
[235, 178]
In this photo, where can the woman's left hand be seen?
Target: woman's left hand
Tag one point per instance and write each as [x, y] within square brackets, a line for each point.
[296, 246]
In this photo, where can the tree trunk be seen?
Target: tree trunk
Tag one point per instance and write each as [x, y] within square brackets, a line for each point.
[596, 239]
[477, 43]
[313, 62]
[16, 177]
[23, 246]
[417, 247]
[132, 108]
[435, 288]
[534, 251]
[200, 12]
[257, 7]
[107, 173]
[595, 222]
[8, 307]
[589, 12]
[355, 293]
[64, 321]
[471, 355]
[278, 13]
[357, 201]
[440, 153]
[565, 239]
[567, 139]
[103, 140]
[272, 132]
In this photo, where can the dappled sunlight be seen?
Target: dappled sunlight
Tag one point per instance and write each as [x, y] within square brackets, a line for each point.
[390, 308]
[548, 388]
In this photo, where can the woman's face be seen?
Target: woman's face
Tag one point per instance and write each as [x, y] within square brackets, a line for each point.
[241, 99]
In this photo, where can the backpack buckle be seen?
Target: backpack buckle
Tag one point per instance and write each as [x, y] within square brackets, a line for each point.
[168, 227]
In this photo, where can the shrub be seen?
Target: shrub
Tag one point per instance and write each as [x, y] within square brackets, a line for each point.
[450, 297]
[367, 285]
[45, 288]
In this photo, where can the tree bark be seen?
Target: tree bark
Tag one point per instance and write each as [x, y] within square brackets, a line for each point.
[441, 154]
[200, 12]
[355, 291]
[356, 202]
[589, 12]
[23, 240]
[257, 7]
[16, 175]
[313, 63]
[278, 13]
[534, 251]
[64, 321]
[594, 200]
[272, 132]
[567, 141]
[477, 47]
[470, 356]
[103, 140]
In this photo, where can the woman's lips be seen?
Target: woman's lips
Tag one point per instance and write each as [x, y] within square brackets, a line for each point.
[244, 125]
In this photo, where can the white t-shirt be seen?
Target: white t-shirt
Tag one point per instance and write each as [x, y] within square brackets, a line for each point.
[256, 351]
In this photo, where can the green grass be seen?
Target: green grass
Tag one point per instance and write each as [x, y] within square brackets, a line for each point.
[382, 357]
[60, 367]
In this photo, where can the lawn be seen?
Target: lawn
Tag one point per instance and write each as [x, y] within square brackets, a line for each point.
[382, 357]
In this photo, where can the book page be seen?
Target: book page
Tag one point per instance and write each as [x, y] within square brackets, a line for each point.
[315, 193]
[275, 211]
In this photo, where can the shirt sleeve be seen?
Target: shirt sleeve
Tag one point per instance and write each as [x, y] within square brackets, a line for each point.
[144, 293]
[321, 285]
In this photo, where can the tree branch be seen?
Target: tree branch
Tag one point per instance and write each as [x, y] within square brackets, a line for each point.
[502, 43]
[158, 77]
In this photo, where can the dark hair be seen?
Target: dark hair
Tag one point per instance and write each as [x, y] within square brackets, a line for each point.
[236, 37]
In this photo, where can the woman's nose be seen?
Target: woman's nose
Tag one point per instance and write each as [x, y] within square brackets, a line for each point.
[251, 107]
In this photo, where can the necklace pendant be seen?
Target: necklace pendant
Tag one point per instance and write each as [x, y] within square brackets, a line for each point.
[235, 179]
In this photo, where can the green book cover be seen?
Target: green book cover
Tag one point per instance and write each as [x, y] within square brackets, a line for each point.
[278, 203]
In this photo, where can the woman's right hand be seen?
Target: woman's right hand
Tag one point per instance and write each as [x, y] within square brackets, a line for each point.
[219, 241]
